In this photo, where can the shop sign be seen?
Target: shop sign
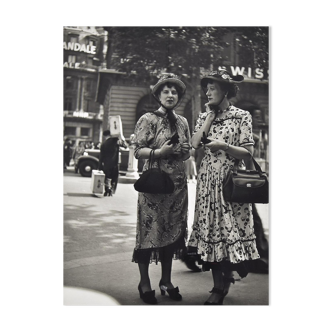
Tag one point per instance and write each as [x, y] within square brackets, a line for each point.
[247, 72]
[71, 65]
[81, 114]
[253, 73]
[79, 47]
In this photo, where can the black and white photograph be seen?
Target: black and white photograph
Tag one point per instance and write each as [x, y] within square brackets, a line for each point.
[166, 165]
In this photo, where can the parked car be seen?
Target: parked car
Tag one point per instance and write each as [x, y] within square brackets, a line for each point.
[87, 162]
[90, 160]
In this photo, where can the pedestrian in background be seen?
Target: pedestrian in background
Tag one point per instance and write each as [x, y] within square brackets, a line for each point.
[162, 219]
[79, 151]
[192, 259]
[191, 167]
[223, 232]
[109, 161]
[67, 153]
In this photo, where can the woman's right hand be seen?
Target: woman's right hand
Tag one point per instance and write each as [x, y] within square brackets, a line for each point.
[211, 114]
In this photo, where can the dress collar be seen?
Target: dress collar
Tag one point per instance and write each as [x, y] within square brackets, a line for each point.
[228, 108]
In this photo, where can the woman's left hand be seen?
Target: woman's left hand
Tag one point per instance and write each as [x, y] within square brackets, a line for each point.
[215, 145]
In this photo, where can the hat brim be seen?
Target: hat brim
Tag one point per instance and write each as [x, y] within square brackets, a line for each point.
[232, 80]
[175, 81]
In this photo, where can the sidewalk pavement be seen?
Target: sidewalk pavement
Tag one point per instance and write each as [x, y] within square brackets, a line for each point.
[108, 277]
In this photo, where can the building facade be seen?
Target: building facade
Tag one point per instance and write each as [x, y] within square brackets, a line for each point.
[83, 56]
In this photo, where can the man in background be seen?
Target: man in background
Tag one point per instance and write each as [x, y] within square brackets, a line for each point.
[109, 161]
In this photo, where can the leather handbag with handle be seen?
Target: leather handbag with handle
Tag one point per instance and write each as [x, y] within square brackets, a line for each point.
[154, 180]
[246, 186]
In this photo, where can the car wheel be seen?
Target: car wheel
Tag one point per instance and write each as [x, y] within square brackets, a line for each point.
[86, 168]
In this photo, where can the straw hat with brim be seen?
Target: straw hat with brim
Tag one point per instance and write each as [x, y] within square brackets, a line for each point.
[221, 76]
[169, 78]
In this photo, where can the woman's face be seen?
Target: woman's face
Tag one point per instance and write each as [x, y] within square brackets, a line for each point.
[214, 93]
[169, 96]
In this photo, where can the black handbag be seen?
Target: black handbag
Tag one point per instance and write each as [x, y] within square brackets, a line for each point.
[246, 186]
[154, 180]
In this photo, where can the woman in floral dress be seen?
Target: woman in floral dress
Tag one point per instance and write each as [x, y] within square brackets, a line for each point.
[222, 233]
[162, 219]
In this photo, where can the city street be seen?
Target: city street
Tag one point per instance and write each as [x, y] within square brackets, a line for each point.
[99, 237]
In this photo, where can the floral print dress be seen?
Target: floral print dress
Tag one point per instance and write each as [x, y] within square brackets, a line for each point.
[222, 231]
[162, 219]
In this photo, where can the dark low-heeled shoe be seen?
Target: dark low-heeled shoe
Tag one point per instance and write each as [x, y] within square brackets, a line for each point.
[147, 297]
[173, 293]
[217, 291]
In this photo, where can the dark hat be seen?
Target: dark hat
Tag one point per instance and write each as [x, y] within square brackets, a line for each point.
[169, 78]
[106, 133]
[221, 76]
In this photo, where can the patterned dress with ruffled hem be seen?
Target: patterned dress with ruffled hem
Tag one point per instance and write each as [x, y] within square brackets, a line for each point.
[222, 231]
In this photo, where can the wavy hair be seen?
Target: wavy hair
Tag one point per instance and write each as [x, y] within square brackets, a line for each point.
[231, 88]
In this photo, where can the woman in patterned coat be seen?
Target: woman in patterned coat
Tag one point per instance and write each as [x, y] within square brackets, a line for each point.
[162, 218]
[222, 233]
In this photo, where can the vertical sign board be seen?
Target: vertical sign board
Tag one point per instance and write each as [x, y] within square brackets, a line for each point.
[116, 126]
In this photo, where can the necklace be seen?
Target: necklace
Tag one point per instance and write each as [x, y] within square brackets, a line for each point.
[221, 112]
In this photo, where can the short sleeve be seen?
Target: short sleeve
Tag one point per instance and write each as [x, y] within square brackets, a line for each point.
[199, 122]
[144, 133]
[246, 135]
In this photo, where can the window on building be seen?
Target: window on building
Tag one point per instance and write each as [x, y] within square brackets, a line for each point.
[88, 85]
[73, 39]
[92, 43]
[70, 131]
[69, 83]
[90, 62]
[86, 105]
[71, 58]
[85, 131]
[68, 105]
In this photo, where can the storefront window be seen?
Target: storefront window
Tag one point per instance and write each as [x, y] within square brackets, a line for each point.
[85, 131]
[70, 131]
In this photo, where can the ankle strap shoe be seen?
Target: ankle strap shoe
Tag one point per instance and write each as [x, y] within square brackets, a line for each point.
[147, 297]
